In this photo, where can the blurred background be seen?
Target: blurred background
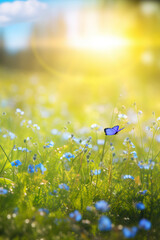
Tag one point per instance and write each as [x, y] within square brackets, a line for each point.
[90, 51]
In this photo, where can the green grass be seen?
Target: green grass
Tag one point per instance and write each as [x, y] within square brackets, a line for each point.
[71, 105]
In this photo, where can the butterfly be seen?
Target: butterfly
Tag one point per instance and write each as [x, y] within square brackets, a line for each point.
[112, 131]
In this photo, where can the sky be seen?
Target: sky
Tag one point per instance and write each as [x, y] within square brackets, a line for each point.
[17, 18]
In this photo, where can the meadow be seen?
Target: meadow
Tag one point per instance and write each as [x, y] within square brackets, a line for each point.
[61, 177]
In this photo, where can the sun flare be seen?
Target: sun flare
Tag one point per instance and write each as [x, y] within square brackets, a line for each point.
[99, 42]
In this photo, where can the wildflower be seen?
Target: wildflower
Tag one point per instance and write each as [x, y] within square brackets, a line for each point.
[36, 126]
[10, 134]
[112, 148]
[140, 112]
[94, 126]
[54, 192]
[145, 224]
[34, 156]
[158, 119]
[100, 141]
[143, 192]
[63, 186]
[128, 177]
[89, 208]
[104, 224]
[88, 145]
[76, 215]
[26, 150]
[3, 191]
[41, 167]
[148, 166]
[76, 140]
[68, 155]
[134, 154]
[16, 163]
[31, 168]
[147, 128]
[43, 211]
[140, 206]
[96, 172]
[19, 111]
[49, 144]
[122, 116]
[130, 232]
[21, 149]
[127, 141]
[125, 152]
[102, 206]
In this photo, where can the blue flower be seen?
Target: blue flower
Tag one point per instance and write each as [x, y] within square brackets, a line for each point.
[89, 208]
[53, 193]
[96, 172]
[31, 168]
[16, 163]
[130, 232]
[3, 191]
[49, 144]
[68, 155]
[134, 154]
[102, 206]
[144, 224]
[26, 150]
[143, 192]
[104, 224]
[43, 211]
[140, 206]
[128, 177]
[41, 167]
[148, 166]
[76, 215]
[63, 186]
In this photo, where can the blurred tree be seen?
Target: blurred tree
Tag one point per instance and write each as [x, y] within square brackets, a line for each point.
[2, 48]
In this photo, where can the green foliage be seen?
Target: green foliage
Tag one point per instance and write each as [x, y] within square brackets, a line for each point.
[72, 110]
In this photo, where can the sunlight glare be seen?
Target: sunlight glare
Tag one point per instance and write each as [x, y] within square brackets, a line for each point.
[99, 42]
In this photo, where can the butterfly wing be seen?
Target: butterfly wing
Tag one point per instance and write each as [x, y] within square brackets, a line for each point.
[110, 131]
[116, 128]
[120, 129]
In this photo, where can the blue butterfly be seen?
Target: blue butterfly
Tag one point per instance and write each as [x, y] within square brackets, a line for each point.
[112, 131]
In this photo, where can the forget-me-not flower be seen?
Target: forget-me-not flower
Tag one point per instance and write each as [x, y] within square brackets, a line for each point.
[130, 232]
[76, 215]
[68, 155]
[43, 211]
[41, 167]
[16, 163]
[128, 177]
[31, 168]
[63, 186]
[102, 206]
[3, 191]
[144, 224]
[140, 206]
[49, 144]
[104, 224]
[96, 172]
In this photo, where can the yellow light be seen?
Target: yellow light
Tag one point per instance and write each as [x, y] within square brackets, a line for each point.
[99, 42]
